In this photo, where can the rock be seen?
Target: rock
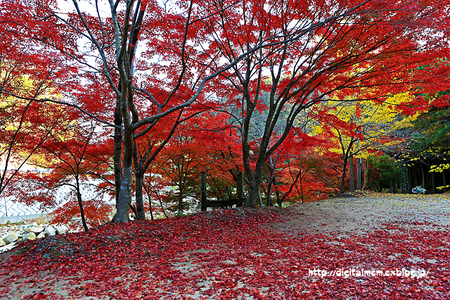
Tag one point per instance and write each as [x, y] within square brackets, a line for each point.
[61, 229]
[37, 229]
[2, 243]
[29, 236]
[49, 231]
[10, 238]
[8, 247]
[169, 214]
[41, 235]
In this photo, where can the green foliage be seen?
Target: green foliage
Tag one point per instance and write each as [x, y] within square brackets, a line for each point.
[431, 139]
[384, 172]
[437, 132]
[433, 126]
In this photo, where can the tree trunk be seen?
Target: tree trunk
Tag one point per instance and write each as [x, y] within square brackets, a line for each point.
[117, 156]
[253, 193]
[351, 172]
[271, 166]
[139, 177]
[124, 203]
[344, 173]
[255, 185]
[239, 188]
[300, 178]
[410, 179]
[443, 179]
[149, 200]
[366, 174]
[141, 167]
[180, 194]
[203, 192]
[359, 173]
[422, 169]
[255, 177]
[279, 198]
[80, 203]
[269, 187]
[433, 184]
[268, 198]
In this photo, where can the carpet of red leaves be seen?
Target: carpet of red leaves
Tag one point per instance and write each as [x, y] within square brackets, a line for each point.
[228, 254]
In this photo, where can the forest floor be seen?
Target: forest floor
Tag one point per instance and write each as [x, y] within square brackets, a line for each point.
[371, 246]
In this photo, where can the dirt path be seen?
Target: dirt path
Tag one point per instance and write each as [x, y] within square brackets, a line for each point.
[362, 214]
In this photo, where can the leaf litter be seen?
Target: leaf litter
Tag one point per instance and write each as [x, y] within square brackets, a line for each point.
[247, 253]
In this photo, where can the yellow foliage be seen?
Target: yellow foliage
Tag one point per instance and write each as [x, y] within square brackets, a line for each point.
[376, 120]
[439, 168]
[443, 187]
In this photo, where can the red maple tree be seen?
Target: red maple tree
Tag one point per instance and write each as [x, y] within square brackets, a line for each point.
[134, 64]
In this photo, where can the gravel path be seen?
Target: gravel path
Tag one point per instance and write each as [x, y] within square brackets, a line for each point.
[365, 213]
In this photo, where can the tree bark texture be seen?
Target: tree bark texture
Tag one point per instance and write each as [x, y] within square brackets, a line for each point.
[359, 173]
[352, 174]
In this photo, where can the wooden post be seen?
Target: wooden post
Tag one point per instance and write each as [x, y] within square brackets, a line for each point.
[240, 190]
[203, 196]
